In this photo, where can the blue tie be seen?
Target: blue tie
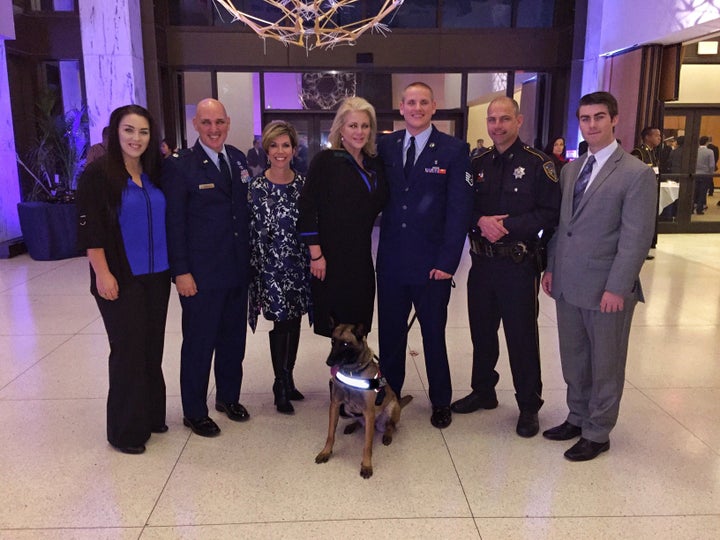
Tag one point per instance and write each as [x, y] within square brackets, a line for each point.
[582, 182]
[410, 157]
[224, 169]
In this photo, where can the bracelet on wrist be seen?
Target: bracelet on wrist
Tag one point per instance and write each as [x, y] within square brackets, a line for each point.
[316, 258]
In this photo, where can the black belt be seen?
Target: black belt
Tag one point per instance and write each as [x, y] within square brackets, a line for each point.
[517, 251]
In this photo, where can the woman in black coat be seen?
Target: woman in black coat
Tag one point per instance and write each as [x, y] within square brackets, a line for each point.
[343, 194]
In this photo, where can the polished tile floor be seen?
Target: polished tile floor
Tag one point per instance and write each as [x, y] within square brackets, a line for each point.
[59, 479]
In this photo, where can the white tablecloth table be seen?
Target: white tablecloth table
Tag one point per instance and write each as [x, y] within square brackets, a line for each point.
[669, 192]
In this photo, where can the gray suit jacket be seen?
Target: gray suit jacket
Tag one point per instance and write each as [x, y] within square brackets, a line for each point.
[604, 244]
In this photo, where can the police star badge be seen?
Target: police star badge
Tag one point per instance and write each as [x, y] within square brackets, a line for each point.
[519, 172]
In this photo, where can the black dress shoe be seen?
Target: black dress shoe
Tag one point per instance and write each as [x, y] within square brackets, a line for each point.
[527, 424]
[235, 411]
[473, 402]
[563, 432]
[139, 449]
[441, 417]
[159, 429]
[205, 427]
[585, 450]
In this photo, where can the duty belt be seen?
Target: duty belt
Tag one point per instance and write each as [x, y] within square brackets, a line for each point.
[517, 251]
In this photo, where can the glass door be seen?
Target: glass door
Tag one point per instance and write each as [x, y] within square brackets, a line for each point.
[313, 133]
[690, 183]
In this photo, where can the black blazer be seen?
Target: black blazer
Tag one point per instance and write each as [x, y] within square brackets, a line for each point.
[98, 225]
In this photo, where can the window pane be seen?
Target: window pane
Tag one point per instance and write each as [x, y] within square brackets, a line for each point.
[527, 94]
[446, 87]
[282, 91]
[476, 14]
[535, 13]
[196, 86]
[190, 12]
[239, 92]
[412, 14]
[482, 88]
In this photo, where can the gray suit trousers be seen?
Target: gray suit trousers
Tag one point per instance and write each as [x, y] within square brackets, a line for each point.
[593, 354]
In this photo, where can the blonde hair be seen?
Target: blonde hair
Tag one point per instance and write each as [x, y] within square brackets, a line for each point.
[275, 129]
[354, 104]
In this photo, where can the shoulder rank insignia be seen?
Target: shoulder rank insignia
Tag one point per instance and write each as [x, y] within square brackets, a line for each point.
[469, 178]
[519, 172]
[549, 168]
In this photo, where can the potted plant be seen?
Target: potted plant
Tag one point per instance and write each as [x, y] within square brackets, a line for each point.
[47, 214]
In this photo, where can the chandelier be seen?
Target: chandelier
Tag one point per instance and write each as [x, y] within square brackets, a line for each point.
[312, 23]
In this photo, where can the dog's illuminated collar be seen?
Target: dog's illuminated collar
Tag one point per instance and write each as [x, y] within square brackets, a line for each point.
[376, 383]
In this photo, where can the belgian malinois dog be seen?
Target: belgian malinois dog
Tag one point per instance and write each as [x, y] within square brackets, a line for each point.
[356, 382]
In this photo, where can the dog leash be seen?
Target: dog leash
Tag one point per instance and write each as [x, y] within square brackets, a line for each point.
[414, 317]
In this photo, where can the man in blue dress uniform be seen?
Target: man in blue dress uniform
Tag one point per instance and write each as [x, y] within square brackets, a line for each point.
[208, 248]
[421, 240]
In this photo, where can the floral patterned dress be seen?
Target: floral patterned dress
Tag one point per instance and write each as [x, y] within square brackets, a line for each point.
[280, 263]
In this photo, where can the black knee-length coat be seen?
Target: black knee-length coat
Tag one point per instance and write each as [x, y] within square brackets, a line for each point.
[338, 207]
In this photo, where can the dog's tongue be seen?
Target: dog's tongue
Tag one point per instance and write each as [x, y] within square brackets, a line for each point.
[334, 370]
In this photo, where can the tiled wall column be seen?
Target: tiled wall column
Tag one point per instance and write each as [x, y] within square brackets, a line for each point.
[112, 57]
[9, 184]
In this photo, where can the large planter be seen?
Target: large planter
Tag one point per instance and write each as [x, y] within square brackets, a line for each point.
[49, 230]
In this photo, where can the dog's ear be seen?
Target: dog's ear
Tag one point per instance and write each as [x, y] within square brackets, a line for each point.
[359, 331]
[331, 321]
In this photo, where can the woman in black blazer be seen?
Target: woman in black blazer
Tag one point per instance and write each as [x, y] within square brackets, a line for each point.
[121, 225]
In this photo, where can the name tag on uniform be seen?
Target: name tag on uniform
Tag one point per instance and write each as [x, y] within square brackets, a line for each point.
[206, 186]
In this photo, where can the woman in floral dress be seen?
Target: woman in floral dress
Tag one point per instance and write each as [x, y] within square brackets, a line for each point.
[280, 286]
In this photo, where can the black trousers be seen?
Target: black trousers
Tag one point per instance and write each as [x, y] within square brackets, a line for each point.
[395, 300]
[135, 325]
[702, 185]
[502, 290]
[214, 323]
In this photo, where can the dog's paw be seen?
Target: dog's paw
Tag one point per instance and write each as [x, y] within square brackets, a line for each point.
[350, 428]
[366, 472]
[323, 457]
[387, 439]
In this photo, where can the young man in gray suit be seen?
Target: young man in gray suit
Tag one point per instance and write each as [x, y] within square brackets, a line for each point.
[607, 219]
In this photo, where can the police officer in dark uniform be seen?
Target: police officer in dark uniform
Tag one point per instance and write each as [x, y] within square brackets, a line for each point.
[517, 206]
[647, 152]
[209, 252]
